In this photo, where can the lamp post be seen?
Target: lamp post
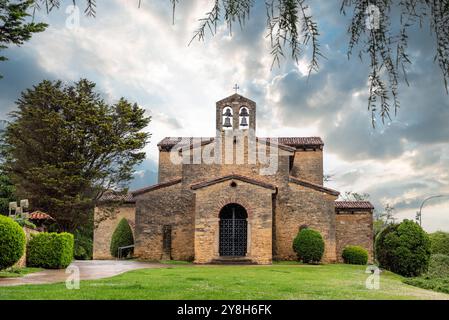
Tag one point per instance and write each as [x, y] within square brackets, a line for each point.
[418, 214]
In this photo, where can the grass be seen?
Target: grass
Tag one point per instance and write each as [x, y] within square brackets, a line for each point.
[17, 272]
[280, 281]
[440, 284]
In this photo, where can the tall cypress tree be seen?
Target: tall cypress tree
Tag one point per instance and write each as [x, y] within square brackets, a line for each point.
[65, 146]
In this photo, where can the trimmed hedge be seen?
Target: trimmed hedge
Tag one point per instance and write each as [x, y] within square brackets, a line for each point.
[355, 255]
[122, 237]
[439, 242]
[309, 246]
[12, 242]
[403, 249]
[50, 250]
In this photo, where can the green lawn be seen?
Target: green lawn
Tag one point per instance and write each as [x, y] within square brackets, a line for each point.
[17, 272]
[232, 282]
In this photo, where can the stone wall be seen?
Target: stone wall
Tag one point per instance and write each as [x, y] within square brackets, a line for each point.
[22, 262]
[106, 219]
[256, 200]
[167, 170]
[308, 165]
[300, 206]
[354, 228]
[170, 206]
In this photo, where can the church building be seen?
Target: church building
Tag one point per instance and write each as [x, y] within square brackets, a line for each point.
[234, 198]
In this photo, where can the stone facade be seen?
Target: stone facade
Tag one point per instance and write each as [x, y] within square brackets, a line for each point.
[106, 218]
[354, 228]
[183, 216]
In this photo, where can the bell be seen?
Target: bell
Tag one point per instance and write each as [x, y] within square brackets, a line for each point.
[244, 112]
[227, 123]
[227, 113]
[244, 123]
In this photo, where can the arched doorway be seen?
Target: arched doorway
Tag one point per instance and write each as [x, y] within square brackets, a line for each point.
[233, 231]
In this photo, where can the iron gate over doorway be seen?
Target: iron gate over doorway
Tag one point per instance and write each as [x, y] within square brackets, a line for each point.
[233, 231]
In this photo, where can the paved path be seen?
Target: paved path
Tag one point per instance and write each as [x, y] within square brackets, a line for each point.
[94, 269]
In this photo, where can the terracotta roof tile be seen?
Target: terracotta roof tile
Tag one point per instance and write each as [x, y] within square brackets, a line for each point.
[111, 195]
[297, 142]
[39, 215]
[353, 205]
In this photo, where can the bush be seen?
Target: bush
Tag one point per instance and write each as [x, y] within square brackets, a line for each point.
[83, 245]
[50, 250]
[309, 246]
[122, 237]
[438, 266]
[439, 242]
[355, 255]
[12, 242]
[404, 249]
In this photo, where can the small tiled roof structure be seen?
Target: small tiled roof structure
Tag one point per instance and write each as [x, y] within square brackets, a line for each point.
[113, 196]
[353, 206]
[39, 215]
[295, 142]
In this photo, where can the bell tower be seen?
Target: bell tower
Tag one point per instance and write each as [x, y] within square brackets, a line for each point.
[235, 113]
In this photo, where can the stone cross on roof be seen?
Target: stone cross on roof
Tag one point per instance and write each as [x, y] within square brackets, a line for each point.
[236, 87]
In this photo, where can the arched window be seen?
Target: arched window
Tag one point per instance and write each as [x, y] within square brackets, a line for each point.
[244, 118]
[227, 118]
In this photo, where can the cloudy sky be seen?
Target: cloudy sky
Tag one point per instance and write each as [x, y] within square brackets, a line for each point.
[138, 54]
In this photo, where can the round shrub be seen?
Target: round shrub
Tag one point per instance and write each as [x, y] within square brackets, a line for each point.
[355, 255]
[438, 266]
[122, 237]
[404, 249]
[439, 242]
[50, 250]
[309, 246]
[12, 242]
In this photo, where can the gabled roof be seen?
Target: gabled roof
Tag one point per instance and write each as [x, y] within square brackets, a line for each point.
[301, 142]
[207, 183]
[138, 192]
[115, 196]
[353, 206]
[286, 143]
[314, 186]
[235, 97]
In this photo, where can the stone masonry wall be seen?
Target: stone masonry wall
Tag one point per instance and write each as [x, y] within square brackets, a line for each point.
[354, 229]
[171, 206]
[258, 203]
[167, 170]
[106, 219]
[299, 206]
[308, 165]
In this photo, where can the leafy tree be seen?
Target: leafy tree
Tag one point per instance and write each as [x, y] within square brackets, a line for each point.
[355, 196]
[383, 219]
[439, 242]
[6, 193]
[375, 30]
[13, 26]
[403, 248]
[65, 146]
